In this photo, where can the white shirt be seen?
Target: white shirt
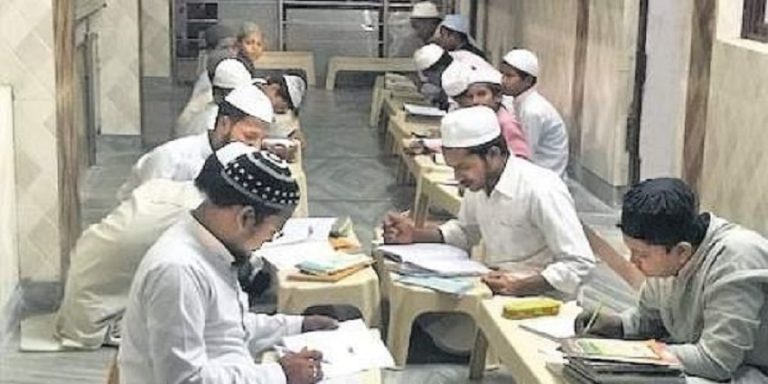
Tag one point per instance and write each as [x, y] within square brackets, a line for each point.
[528, 221]
[202, 95]
[203, 121]
[187, 319]
[179, 159]
[544, 129]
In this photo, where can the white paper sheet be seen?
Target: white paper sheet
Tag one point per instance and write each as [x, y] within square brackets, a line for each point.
[423, 251]
[423, 110]
[350, 348]
[297, 230]
[285, 257]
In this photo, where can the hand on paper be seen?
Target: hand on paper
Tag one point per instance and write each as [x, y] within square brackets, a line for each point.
[318, 323]
[303, 367]
[604, 324]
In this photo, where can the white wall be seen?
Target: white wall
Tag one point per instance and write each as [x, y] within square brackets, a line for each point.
[662, 123]
[9, 257]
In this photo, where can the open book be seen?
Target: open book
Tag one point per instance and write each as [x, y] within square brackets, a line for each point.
[423, 111]
[432, 259]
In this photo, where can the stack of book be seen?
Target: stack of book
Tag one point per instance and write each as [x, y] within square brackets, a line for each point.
[611, 361]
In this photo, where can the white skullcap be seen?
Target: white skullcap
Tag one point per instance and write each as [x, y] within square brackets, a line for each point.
[252, 101]
[523, 60]
[455, 78]
[230, 74]
[469, 127]
[427, 56]
[233, 150]
[485, 75]
[296, 89]
[456, 23]
[425, 10]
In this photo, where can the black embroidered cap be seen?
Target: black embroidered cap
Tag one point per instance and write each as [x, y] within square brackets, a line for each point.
[263, 178]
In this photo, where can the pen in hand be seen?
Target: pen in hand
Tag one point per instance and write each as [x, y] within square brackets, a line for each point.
[592, 320]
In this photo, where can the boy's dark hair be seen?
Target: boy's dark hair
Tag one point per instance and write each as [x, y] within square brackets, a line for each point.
[663, 211]
[211, 182]
[483, 149]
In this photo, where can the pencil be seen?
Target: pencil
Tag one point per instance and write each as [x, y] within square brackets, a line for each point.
[592, 319]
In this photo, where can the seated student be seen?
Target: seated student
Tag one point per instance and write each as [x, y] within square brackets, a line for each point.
[220, 44]
[105, 258]
[523, 213]
[545, 129]
[187, 318]
[453, 35]
[706, 291]
[287, 94]
[244, 116]
[424, 19]
[431, 60]
[228, 75]
[250, 45]
[472, 87]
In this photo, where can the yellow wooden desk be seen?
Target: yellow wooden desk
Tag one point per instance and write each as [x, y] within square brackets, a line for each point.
[360, 290]
[519, 350]
[407, 302]
[304, 60]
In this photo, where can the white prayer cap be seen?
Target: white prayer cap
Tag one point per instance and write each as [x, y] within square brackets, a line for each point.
[233, 150]
[230, 74]
[455, 78]
[469, 127]
[252, 101]
[523, 60]
[456, 23]
[485, 75]
[425, 10]
[427, 56]
[296, 89]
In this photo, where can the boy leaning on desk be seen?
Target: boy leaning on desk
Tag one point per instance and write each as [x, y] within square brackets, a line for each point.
[706, 287]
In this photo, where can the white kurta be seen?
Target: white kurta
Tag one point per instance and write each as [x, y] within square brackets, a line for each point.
[202, 95]
[203, 121]
[187, 319]
[544, 129]
[714, 312]
[529, 221]
[181, 160]
[107, 255]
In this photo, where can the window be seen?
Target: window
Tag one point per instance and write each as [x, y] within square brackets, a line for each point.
[755, 23]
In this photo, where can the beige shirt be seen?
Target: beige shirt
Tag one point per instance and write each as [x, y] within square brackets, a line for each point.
[529, 221]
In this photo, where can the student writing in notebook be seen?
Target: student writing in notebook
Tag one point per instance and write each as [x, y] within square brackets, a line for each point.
[706, 287]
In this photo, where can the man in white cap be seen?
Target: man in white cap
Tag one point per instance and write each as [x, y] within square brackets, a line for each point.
[483, 87]
[187, 318]
[453, 35]
[545, 129]
[431, 60]
[228, 75]
[523, 213]
[424, 20]
[245, 116]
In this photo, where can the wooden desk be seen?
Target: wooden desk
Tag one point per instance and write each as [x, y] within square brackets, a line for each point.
[519, 350]
[366, 64]
[304, 60]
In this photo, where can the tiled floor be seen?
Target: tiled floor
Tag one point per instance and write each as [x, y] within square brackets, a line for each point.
[348, 175]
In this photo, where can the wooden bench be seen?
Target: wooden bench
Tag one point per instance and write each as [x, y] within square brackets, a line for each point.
[366, 64]
[303, 60]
